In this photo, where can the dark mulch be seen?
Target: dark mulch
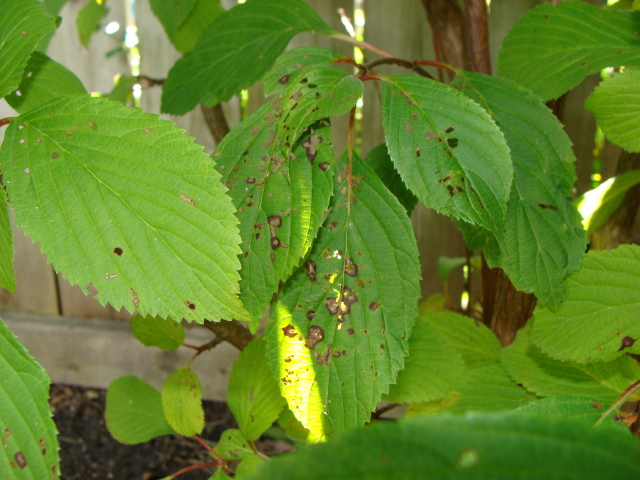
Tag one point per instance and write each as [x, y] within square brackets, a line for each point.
[88, 450]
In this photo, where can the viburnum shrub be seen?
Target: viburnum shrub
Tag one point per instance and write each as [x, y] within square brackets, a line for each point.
[129, 208]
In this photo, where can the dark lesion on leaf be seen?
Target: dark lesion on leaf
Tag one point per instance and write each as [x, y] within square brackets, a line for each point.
[626, 343]
[289, 331]
[311, 271]
[545, 206]
[283, 80]
[315, 335]
[190, 305]
[118, 251]
[350, 268]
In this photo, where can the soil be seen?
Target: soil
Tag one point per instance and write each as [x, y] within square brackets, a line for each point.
[88, 450]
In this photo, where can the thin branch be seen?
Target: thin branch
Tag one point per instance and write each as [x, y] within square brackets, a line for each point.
[203, 348]
[216, 121]
[402, 63]
[382, 410]
[232, 332]
[358, 43]
[194, 467]
[476, 36]
[437, 64]
[212, 452]
[621, 399]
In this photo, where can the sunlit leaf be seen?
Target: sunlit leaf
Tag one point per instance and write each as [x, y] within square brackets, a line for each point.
[233, 445]
[338, 333]
[598, 319]
[182, 402]
[125, 204]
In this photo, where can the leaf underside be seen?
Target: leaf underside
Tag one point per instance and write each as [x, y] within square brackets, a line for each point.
[338, 333]
[126, 206]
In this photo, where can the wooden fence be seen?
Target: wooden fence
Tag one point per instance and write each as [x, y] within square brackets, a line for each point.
[398, 26]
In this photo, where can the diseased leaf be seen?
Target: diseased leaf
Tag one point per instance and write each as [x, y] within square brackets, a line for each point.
[598, 205]
[184, 21]
[233, 445]
[546, 377]
[448, 150]
[182, 402]
[292, 426]
[476, 344]
[253, 394]
[379, 161]
[235, 51]
[42, 80]
[293, 64]
[165, 334]
[22, 25]
[89, 19]
[598, 319]
[338, 334]
[29, 444]
[281, 194]
[7, 274]
[616, 106]
[544, 240]
[475, 447]
[483, 389]
[143, 220]
[134, 411]
[551, 49]
[431, 370]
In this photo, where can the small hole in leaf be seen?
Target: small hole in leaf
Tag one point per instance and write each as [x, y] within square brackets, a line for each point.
[452, 142]
[283, 80]
[449, 129]
[147, 130]
[118, 251]
[190, 305]
[21, 141]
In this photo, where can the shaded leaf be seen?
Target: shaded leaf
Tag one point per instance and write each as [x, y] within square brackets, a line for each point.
[431, 370]
[476, 344]
[292, 426]
[218, 475]
[338, 333]
[143, 220]
[122, 90]
[292, 64]
[547, 377]
[30, 447]
[248, 466]
[544, 240]
[598, 205]
[253, 395]
[551, 49]
[448, 150]
[165, 334]
[233, 446]
[184, 21]
[89, 20]
[598, 319]
[42, 80]
[379, 161]
[22, 25]
[7, 274]
[480, 446]
[134, 411]
[182, 402]
[235, 51]
[281, 194]
[616, 106]
[483, 389]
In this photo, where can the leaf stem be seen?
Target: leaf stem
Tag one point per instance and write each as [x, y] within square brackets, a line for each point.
[621, 399]
[194, 467]
[437, 64]
[400, 62]
[352, 117]
[203, 348]
[5, 121]
[361, 44]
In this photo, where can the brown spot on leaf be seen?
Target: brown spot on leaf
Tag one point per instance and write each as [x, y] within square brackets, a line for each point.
[332, 305]
[310, 268]
[350, 268]
[69, 133]
[251, 180]
[283, 80]
[275, 243]
[336, 353]
[7, 432]
[626, 343]
[545, 207]
[190, 305]
[373, 306]
[311, 146]
[323, 166]
[314, 336]
[275, 220]
[20, 460]
[255, 131]
[310, 314]
[136, 300]
[189, 200]
[118, 251]
[147, 130]
[350, 331]
[289, 331]
[407, 127]
[54, 155]
[93, 126]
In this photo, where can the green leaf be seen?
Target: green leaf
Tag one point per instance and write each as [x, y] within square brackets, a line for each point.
[253, 395]
[53, 7]
[42, 80]
[233, 445]
[182, 402]
[339, 331]
[30, 448]
[218, 475]
[379, 161]
[143, 220]
[184, 21]
[476, 344]
[292, 64]
[616, 106]
[134, 411]
[292, 426]
[484, 389]
[235, 51]
[598, 320]
[546, 377]
[89, 18]
[577, 409]
[281, 194]
[481, 446]
[598, 205]
[431, 370]
[448, 150]
[122, 90]
[248, 466]
[551, 49]
[165, 334]
[7, 274]
[22, 25]
[544, 240]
